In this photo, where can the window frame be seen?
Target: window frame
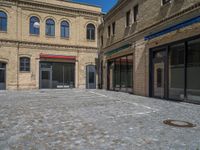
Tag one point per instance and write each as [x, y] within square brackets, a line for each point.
[91, 29]
[51, 25]
[66, 27]
[109, 31]
[128, 18]
[165, 2]
[4, 17]
[31, 25]
[135, 13]
[113, 28]
[25, 64]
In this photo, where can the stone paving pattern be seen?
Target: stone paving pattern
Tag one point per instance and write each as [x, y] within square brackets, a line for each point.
[77, 119]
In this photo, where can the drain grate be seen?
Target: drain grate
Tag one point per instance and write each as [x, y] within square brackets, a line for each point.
[178, 123]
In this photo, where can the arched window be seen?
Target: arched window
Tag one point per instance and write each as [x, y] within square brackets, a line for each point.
[50, 27]
[64, 29]
[33, 22]
[90, 32]
[25, 64]
[3, 21]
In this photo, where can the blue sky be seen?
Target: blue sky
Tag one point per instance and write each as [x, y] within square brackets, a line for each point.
[105, 4]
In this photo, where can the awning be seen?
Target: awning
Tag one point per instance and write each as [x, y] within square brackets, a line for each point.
[173, 28]
[49, 56]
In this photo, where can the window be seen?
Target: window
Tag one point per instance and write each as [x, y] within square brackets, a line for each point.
[3, 21]
[50, 27]
[90, 32]
[25, 64]
[193, 70]
[128, 15]
[159, 77]
[102, 40]
[34, 30]
[64, 29]
[135, 13]
[165, 2]
[109, 31]
[120, 74]
[176, 71]
[113, 28]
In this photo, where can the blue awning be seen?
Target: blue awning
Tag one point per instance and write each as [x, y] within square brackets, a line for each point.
[173, 28]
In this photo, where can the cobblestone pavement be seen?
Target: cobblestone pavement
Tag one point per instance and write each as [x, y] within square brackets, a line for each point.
[93, 120]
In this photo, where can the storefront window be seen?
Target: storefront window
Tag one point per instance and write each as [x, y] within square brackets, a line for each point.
[117, 74]
[193, 70]
[176, 71]
[130, 73]
[123, 74]
[120, 74]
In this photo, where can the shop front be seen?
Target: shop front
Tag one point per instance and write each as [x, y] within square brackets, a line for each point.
[120, 74]
[55, 74]
[175, 71]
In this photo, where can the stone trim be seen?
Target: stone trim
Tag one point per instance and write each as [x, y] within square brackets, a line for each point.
[33, 45]
[25, 3]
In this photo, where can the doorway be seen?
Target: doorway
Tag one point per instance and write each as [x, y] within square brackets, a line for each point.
[158, 72]
[46, 78]
[90, 77]
[2, 76]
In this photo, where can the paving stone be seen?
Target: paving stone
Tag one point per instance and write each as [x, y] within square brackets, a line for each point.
[77, 119]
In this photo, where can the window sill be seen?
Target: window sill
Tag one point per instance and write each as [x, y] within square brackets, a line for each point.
[91, 40]
[4, 32]
[36, 35]
[48, 36]
[64, 38]
[23, 72]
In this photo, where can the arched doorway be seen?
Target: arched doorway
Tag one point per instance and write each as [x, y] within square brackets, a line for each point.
[2, 76]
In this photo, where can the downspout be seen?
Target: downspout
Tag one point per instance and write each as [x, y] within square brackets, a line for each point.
[18, 65]
[18, 43]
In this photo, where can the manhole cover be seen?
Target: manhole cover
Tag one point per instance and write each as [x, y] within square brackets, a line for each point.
[178, 123]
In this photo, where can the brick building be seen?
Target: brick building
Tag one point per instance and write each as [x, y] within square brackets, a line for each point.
[48, 44]
[152, 48]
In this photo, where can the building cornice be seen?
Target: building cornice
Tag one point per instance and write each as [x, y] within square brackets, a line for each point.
[43, 5]
[35, 45]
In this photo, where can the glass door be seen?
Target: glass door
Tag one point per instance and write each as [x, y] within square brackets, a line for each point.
[46, 78]
[158, 77]
[2, 76]
[91, 77]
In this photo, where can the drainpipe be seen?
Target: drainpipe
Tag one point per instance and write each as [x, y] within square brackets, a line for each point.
[18, 65]
[17, 28]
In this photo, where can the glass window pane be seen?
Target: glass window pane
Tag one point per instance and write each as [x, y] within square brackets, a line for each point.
[69, 75]
[130, 73]
[24, 64]
[176, 72]
[90, 32]
[57, 75]
[33, 29]
[123, 75]
[193, 70]
[50, 27]
[117, 74]
[3, 21]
